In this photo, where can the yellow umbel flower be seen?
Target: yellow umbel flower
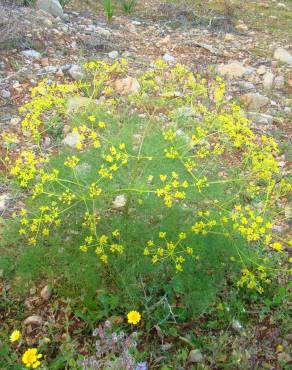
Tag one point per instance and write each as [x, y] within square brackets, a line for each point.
[15, 336]
[31, 357]
[134, 317]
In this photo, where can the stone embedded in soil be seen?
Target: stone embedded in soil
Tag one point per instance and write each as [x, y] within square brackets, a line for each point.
[268, 81]
[254, 101]
[261, 70]
[279, 82]
[195, 356]
[168, 58]
[126, 85]
[4, 198]
[33, 320]
[5, 94]
[31, 54]
[283, 56]
[260, 118]
[119, 202]
[52, 7]
[233, 69]
[46, 292]
[75, 72]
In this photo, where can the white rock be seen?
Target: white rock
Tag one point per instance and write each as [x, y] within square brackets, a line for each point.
[233, 69]
[113, 54]
[52, 7]
[32, 54]
[71, 139]
[33, 320]
[119, 202]
[168, 58]
[282, 6]
[268, 81]
[261, 70]
[283, 56]
[46, 292]
[279, 82]
[195, 356]
[3, 201]
[75, 72]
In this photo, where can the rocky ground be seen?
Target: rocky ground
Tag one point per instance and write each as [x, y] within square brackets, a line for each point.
[256, 64]
[54, 47]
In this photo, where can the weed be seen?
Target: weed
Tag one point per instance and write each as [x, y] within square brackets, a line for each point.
[109, 9]
[128, 5]
[148, 212]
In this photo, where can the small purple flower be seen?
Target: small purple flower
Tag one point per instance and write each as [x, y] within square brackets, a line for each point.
[142, 366]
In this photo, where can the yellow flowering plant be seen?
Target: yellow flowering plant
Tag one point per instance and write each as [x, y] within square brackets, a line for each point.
[159, 180]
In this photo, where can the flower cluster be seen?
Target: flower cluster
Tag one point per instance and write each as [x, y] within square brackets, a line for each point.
[172, 189]
[103, 244]
[254, 279]
[164, 250]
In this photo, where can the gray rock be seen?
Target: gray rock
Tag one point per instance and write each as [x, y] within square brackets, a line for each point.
[50, 69]
[71, 139]
[52, 7]
[287, 110]
[4, 198]
[245, 85]
[195, 356]
[66, 67]
[255, 101]
[75, 72]
[5, 94]
[279, 82]
[283, 56]
[113, 54]
[268, 81]
[261, 118]
[168, 58]
[31, 54]
[33, 320]
[46, 292]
